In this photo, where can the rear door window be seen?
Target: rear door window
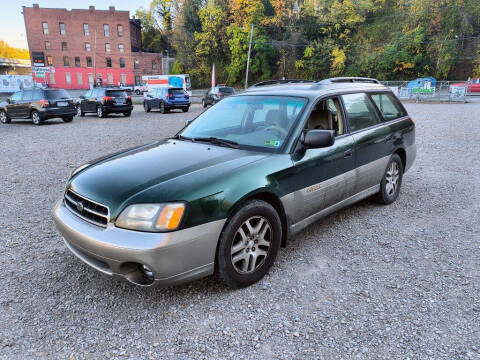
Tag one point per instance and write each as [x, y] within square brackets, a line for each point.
[360, 111]
[388, 106]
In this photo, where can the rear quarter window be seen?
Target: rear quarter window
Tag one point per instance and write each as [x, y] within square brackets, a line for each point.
[388, 106]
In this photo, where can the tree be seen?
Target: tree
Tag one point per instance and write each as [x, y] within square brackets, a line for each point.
[7, 51]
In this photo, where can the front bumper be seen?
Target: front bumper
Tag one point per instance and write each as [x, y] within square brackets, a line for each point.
[173, 257]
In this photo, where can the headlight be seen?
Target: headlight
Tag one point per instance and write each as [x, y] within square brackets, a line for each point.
[151, 217]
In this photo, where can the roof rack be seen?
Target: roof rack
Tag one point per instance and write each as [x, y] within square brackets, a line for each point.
[349, 80]
[283, 81]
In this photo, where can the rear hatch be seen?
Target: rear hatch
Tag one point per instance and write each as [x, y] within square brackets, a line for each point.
[178, 95]
[119, 97]
[225, 91]
[58, 98]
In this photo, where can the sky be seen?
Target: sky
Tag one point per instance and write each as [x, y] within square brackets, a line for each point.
[12, 25]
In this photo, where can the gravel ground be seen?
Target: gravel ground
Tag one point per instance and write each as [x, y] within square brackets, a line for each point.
[390, 282]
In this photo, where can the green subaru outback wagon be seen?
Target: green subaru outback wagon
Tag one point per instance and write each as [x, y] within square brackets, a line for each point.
[230, 189]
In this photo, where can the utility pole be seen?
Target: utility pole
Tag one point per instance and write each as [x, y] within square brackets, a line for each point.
[248, 59]
[95, 59]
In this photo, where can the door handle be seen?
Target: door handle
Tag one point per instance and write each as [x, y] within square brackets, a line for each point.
[348, 153]
[388, 138]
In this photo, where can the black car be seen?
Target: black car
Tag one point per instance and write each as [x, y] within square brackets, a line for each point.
[166, 99]
[217, 93]
[104, 101]
[38, 105]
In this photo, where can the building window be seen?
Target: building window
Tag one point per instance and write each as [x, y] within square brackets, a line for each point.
[136, 64]
[51, 78]
[122, 62]
[110, 79]
[123, 79]
[106, 30]
[45, 28]
[109, 62]
[120, 30]
[66, 61]
[89, 61]
[49, 60]
[62, 29]
[68, 78]
[88, 47]
[77, 61]
[90, 79]
[121, 48]
[64, 46]
[154, 65]
[48, 45]
[85, 29]
[107, 47]
[79, 78]
[137, 80]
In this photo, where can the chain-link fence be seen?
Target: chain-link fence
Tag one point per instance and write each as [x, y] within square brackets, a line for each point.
[441, 91]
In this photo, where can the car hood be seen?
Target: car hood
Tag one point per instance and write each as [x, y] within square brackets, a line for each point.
[170, 170]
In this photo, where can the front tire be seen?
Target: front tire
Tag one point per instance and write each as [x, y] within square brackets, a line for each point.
[4, 117]
[163, 110]
[36, 118]
[249, 244]
[185, 109]
[137, 92]
[204, 104]
[391, 181]
[146, 107]
[100, 112]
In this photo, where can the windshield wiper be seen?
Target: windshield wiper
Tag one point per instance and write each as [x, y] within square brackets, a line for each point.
[181, 137]
[218, 141]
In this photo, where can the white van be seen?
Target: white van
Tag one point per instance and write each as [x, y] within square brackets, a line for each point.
[177, 81]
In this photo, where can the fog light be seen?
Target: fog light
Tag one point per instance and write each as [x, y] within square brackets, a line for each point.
[147, 272]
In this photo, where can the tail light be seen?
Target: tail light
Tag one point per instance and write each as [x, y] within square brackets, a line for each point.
[106, 99]
[44, 103]
[170, 96]
[129, 98]
[186, 94]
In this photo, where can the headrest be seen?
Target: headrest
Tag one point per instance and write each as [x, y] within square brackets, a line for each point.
[319, 119]
[274, 117]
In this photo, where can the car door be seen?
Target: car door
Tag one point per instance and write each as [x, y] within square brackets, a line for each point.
[24, 107]
[371, 151]
[324, 176]
[13, 108]
[155, 100]
[84, 100]
[91, 101]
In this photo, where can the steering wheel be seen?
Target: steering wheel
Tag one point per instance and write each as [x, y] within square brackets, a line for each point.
[277, 128]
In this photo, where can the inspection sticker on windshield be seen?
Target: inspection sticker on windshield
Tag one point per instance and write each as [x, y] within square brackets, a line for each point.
[274, 143]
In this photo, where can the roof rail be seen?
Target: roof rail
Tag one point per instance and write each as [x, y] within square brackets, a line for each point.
[283, 81]
[349, 80]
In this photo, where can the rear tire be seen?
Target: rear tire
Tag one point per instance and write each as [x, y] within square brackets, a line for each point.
[391, 181]
[100, 112]
[204, 104]
[127, 113]
[79, 111]
[185, 109]
[4, 117]
[137, 92]
[67, 119]
[36, 118]
[248, 244]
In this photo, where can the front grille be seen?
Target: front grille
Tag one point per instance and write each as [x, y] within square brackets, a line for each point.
[88, 210]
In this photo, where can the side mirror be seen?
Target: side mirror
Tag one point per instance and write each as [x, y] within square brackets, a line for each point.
[319, 139]
[188, 122]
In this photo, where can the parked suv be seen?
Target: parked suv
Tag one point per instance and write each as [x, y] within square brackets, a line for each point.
[38, 105]
[231, 188]
[217, 93]
[167, 99]
[104, 101]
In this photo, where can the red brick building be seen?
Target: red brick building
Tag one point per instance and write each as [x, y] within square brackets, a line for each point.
[84, 45]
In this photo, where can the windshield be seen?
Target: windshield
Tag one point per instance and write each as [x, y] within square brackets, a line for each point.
[252, 121]
[57, 94]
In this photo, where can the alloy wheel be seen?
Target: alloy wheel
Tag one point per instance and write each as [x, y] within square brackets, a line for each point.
[251, 244]
[79, 111]
[35, 118]
[99, 111]
[392, 178]
[3, 117]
